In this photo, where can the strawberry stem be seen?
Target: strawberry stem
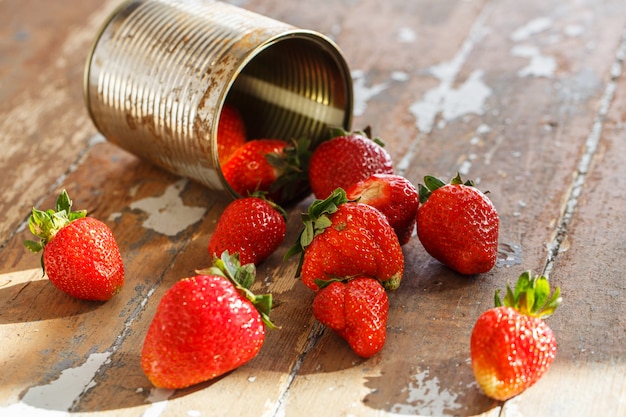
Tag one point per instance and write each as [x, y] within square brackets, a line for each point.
[433, 183]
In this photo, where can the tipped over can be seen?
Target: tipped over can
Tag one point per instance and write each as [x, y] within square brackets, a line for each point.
[160, 72]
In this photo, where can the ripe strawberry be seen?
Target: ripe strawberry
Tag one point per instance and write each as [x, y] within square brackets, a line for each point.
[458, 225]
[395, 196]
[205, 326]
[343, 239]
[231, 133]
[344, 160]
[253, 227]
[80, 254]
[269, 165]
[357, 311]
[511, 346]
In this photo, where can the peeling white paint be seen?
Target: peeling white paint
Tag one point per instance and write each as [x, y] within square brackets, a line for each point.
[425, 397]
[363, 93]
[539, 66]
[531, 28]
[406, 35]
[158, 399]
[167, 214]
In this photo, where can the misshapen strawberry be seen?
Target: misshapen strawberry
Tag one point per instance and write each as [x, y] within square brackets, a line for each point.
[357, 310]
[80, 254]
[458, 225]
[344, 160]
[206, 326]
[253, 227]
[231, 133]
[274, 166]
[342, 239]
[395, 196]
[511, 346]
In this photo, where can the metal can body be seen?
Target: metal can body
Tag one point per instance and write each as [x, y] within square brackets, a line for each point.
[160, 72]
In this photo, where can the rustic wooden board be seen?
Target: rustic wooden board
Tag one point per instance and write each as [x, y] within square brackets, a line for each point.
[521, 96]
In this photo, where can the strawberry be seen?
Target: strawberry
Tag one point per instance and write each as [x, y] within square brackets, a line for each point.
[458, 225]
[511, 346]
[253, 227]
[270, 165]
[80, 254]
[357, 311]
[343, 239]
[231, 132]
[344, 160]
[395, 196]
[206, 326]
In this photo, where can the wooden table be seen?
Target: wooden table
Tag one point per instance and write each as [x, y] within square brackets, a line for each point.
[526, 97]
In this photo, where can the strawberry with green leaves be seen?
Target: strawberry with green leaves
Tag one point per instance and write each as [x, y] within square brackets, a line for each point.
[511, 345]
[343, 239]
[458, 225]
[254, 227]
[80, 254]
[231, 132]
[346, 159]
[269, 165]
[206, 326]
[395, 196]
[357, 310]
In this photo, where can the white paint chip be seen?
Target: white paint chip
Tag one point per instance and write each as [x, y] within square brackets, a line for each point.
[158, 399]
[426, 397]
[167, 214]
[539, 65]
[406, 35]
[531, 28]
[363, 93]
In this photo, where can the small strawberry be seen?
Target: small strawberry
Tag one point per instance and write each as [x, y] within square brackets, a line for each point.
[269, 165]
[80, 254]
[206, 326]
[395, 196]
[357, 311]
[231, 132]
[253, 227]
[511, 346]
[343, 239]
[344, 160]
[458, 225]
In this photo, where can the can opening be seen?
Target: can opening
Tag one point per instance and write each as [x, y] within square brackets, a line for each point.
[295, 87]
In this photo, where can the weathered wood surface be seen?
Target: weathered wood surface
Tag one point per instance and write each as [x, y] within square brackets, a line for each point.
[529, 98]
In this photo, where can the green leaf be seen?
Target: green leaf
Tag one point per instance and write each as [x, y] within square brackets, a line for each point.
[33, 246]
[433, 183]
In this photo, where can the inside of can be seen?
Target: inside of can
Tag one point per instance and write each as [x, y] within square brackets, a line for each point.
[297, 87]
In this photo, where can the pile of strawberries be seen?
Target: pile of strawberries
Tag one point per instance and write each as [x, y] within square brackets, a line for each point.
[349, 254]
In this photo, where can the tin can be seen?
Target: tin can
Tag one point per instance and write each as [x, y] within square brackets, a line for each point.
[160, 72]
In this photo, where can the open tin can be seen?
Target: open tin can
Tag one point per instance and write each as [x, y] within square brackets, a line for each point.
[160, 72]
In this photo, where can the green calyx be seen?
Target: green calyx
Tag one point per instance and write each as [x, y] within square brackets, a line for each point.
[367, 133]
[531, 296]
[315, 221]
[242, 277]
[46, 224]
[293, 167]
[433, 183]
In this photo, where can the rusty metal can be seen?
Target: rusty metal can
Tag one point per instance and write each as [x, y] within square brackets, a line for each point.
[160, 72]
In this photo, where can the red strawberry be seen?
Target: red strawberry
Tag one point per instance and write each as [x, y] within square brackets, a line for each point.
[345, 160]
[231, 133]
[270, 165]
[357, 311]
[458, 225]
[80, 254]
[205, 326]
[395, 196]
[343, 239]
[253, 227]
[511, 346]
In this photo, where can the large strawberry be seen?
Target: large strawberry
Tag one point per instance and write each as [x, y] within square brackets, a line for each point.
[342, 239]
[253, 227]
[511, 346]
[458, 225]
[395, 196]
[231, 133]
[206, 326]
[357, 310]
[80, 254]
[269, 165]
[344, 160]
